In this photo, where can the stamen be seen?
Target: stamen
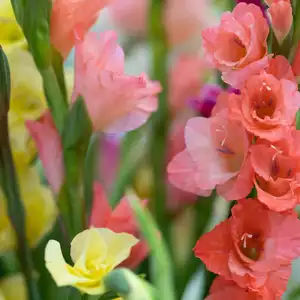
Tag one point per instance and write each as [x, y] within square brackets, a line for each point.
[225, 150]
[238, 41]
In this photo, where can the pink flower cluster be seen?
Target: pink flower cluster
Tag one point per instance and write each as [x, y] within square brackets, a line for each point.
[250, 141]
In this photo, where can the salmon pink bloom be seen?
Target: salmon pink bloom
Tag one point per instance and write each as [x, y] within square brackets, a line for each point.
[277, 171]
[186, 79]
[223, 289]
[67, 15]
[238, 46]
[48, 143]
[216, 155]
[267, 105]
[115, 101]
[254, 247]
[130, 15]
[119, 220]
[281, 14]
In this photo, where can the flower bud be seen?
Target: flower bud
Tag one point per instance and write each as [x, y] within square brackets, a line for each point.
[281, 18]
[128, 285]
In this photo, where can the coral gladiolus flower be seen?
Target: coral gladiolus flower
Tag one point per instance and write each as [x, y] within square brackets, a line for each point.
[215, 156]
[277, 170]
[49, 146]
[68, 15]
[238, 46]
[281, 14]
[266, 106]
[95, 252]
[255, 248]
[229, 290]
[186, 78]
[121, 219]
[115, 102]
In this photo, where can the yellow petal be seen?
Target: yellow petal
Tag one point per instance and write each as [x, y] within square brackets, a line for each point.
[119, 246]
[13, 287]
[88, 246]
[62, 273]
[10, 30]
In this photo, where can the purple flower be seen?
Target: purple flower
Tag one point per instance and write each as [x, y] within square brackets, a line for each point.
[205, 102]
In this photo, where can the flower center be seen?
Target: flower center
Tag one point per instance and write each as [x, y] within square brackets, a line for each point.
[264, 103]
[251, 245]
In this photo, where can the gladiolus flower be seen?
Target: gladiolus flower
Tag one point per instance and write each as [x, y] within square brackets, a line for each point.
[281, 14]
[186, 78]
[95, 252]
[255, 248]
[49, 146]
[115, 102]
[267, 105]
[121, 219]
[215, 156]
[13, 287]
[182, 20]
[68, 15]
[11, 35]
[238, 46]
[276, 170]
[40, 211]
[229, 290]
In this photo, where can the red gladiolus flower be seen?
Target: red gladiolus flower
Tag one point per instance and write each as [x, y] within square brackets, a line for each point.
[254, 248]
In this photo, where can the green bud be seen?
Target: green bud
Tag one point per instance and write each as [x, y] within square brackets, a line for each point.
[128, 285]
[4, 84]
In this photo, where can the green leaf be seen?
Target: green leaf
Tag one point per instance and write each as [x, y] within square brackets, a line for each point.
[77, 127]
[4, 84]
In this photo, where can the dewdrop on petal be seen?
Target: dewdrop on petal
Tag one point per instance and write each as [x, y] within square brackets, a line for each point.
[95, 252]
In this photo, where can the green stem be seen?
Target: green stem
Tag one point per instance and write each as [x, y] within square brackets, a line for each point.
[160, 119]
[8, 179]
[132, 156]
[89, 173]
[161, 260]
[55, 97]
[204, 211]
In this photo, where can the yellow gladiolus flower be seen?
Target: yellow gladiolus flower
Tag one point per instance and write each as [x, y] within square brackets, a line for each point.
[27, 95]
[13, 288]
[23, 147]
[95, 252]
[40, 211]
[11, 34]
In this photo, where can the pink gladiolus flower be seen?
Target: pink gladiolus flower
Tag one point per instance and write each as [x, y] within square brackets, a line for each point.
[182, 20]
[223, 289]
[277, 170]
[238, 46]
[68, 15]
[121, 219]
[130, 15]
[186, 78]
[48, 143]
[281, 14]
[115, 102]
[215, 156]
[255, 248]
[267, 105]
